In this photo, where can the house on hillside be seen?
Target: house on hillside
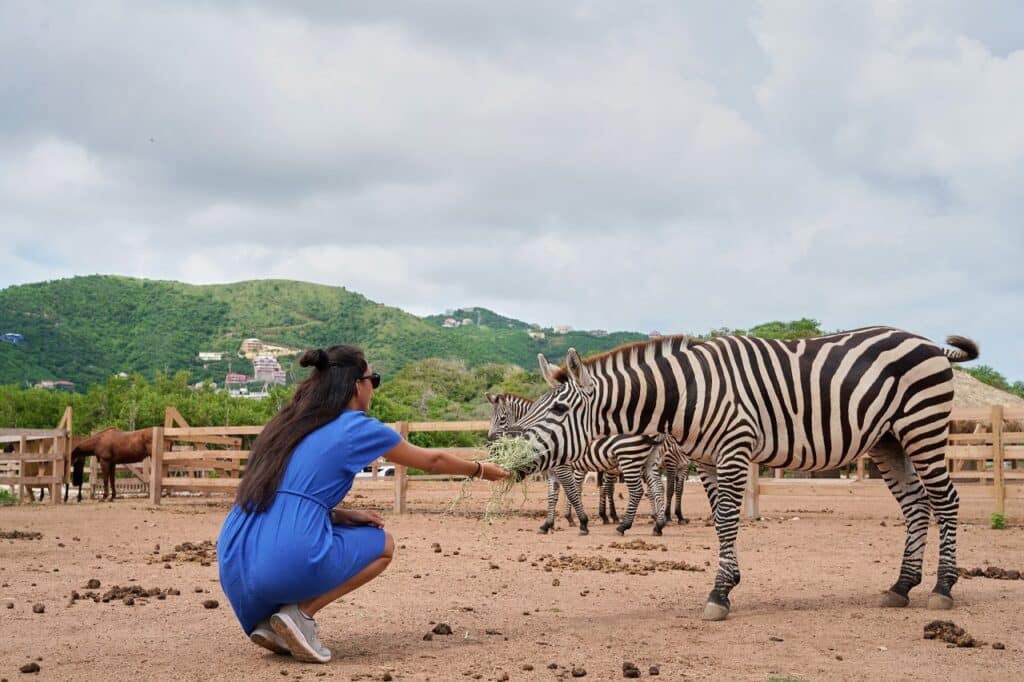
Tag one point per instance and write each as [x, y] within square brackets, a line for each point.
[562, 329]
[599, 332]
[12, 337]
[236, 379]
[450, 323]
[266, 368]
[210, 356]
[56, 385]
[251, 346]
[654, 334]
[536, 336]
[466, 321]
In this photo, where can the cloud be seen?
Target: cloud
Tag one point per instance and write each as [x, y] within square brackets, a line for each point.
[679, 168]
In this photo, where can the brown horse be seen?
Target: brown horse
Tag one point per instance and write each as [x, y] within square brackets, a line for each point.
[111, 447]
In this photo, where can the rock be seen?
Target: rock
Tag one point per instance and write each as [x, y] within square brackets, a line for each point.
[38, 608]
[436, 547]
[522, 557]
[552, 666]
[503, 677]
[129, 601]
[429, 636]
[197, 590]
[387, 677]
[93, 584]
[494, 565]
[654, 670]
[30, 667]
[578, 672]
[527, 667]
[630, 670]
[555, 583]
[211, 604]
[442, 629]
[998, 645]
[773, 638]
[492, 631]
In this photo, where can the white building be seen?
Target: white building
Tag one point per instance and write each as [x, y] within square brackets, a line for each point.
[562, 329]
[209, 356]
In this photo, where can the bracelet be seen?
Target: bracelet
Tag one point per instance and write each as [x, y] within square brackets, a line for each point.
[479, 468]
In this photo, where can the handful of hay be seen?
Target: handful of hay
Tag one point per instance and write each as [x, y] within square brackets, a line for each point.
[510, 454]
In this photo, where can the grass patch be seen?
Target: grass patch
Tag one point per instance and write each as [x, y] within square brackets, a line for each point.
[7, 499]
[998, 521]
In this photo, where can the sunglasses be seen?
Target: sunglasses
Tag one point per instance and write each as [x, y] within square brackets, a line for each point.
[373, 377]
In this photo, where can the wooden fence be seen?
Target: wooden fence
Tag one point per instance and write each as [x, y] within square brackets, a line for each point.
[38, 459]
[183, 461]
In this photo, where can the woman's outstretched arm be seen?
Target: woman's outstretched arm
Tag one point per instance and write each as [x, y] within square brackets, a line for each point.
[441, 462]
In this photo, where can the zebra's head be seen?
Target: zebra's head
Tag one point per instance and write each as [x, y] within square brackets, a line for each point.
[559, 424]
[506, 410]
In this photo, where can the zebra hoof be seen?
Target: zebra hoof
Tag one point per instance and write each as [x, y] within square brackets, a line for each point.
[683, 522]
[713, 611]
[604, 520]
[584, 531]
[657, 529]
[894, 600]
[621, 530]
[543, 530]
[939, 602]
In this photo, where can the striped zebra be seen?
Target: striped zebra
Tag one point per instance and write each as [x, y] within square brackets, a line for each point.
[638, 457]
[811, 404]
[677, 468]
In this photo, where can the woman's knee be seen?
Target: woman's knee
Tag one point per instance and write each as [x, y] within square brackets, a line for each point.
[389, 547]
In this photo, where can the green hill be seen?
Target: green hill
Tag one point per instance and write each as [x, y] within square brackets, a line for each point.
[84, 329]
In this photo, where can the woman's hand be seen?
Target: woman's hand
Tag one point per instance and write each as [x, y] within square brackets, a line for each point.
[356, 517]
[491, 472]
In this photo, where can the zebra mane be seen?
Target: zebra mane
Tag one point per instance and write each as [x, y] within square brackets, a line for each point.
[683, 340]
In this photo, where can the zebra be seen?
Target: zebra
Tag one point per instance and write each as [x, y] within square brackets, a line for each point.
[677, 467]
[637, 456]
[809, 404]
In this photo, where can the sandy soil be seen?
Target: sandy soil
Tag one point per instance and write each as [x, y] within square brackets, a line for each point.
[807, 606]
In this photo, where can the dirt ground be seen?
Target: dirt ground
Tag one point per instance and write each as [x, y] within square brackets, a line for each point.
[806, 609]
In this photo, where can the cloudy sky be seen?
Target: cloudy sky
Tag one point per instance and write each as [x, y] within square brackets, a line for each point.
[671, 166]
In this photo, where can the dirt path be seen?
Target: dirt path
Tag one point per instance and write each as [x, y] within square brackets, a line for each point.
[806, 607]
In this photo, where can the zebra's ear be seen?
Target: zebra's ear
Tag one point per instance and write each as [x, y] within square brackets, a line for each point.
[547, 371]
[491, 398]
[577, 370]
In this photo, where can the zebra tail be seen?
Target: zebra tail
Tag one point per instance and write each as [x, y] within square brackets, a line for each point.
[967, 349]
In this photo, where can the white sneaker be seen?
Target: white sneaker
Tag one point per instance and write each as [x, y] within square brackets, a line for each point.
[300, 635]
[265, 636]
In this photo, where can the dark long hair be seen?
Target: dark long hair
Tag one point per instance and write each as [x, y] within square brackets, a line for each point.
[317, 400]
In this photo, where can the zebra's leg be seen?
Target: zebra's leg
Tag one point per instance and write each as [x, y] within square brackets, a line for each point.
[567, 477]
[549, 520]
[903, 483]
[682, 471]
[633, 471]
[602, 506]
[670, 487]
[610, 479]
[925, 445]
[579, 477]
[655, 493]
[730, 480]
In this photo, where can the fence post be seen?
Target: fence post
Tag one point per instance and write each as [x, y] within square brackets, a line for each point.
[22, 449]
[750, 495]
[998, 489]
[401, 481]
[860, 468]
[156, 470]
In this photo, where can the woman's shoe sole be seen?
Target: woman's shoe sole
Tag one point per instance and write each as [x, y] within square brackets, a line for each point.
[295, 641]
[267, 640]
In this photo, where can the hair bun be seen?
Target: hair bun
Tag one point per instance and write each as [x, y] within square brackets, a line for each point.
[314, 358]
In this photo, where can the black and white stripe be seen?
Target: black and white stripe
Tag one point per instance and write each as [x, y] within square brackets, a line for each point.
[810, 404]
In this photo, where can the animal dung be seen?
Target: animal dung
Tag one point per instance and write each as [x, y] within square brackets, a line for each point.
[211, 604]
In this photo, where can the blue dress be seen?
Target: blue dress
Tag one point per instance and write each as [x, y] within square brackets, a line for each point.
[292, 552]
